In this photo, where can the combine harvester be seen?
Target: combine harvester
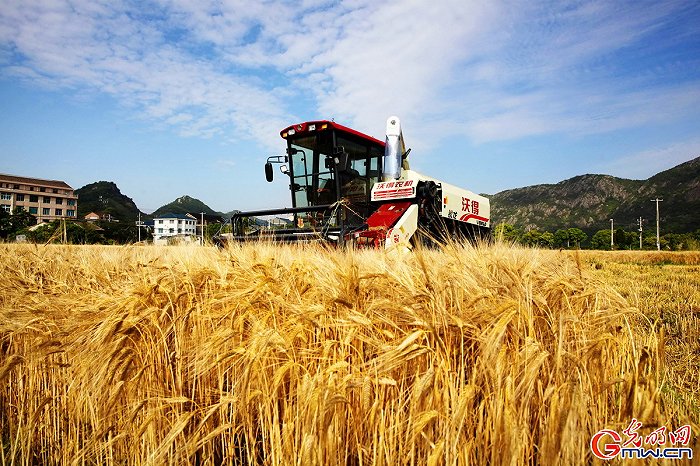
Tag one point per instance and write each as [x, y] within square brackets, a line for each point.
[350, 187]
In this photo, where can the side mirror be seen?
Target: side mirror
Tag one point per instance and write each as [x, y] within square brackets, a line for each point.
[268, 171]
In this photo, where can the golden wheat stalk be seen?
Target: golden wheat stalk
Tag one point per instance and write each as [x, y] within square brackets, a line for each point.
[267, 354]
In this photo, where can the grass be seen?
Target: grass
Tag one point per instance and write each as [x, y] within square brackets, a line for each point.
[300, 355]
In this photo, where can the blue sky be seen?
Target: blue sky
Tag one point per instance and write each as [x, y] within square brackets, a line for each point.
[176, 97]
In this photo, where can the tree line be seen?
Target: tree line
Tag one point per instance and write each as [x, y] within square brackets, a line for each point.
[575, 238]
[18, 224]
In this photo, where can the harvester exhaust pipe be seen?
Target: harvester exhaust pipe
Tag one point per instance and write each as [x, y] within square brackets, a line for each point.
[394, 150]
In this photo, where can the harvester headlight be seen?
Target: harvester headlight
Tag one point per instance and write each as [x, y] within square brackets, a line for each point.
[312, 127]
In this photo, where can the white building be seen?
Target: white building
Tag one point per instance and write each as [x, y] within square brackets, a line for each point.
[173, 227]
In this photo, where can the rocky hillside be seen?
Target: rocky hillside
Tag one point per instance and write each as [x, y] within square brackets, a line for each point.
[589, 201]
[104, 197]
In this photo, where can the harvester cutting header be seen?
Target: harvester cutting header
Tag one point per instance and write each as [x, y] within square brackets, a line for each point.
[350, 187]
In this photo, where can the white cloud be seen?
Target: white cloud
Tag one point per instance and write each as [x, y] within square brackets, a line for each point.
[106, 49]
[489, 71]
[644, 164]
[579, 113]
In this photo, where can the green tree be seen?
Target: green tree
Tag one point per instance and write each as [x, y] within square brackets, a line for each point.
[531, 238]
[21, 219]
[571, 237]
[5, 224]
[43, 233]
[620, 239]
[649, 241]
[632, 239]
[506, 232]
[121, 232]
[678, 241]
[561, 239]
[577, 236]
[601, 240]
[538, 238]
[12, 224]
[547, 239]
[60, 230]
[624, 239]
[213, 229]
[694, 241]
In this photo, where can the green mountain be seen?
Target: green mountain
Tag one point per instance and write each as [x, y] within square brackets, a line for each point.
[587, 202]
[105, 198]
[590, 201]
[183, 205]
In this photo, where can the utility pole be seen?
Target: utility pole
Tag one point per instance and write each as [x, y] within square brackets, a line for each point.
[202, 217]
[658, 241]
[612, 243]
[138, 224]
[640, 232]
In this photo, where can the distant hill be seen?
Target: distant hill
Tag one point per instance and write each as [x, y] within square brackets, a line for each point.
[586, 202]
[104, 197]
[589, 201]
[183, 205]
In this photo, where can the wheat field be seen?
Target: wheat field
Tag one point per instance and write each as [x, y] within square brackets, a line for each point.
[302, 355]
